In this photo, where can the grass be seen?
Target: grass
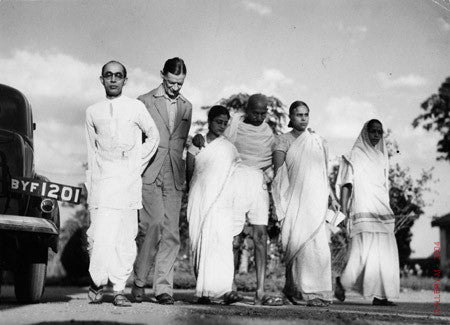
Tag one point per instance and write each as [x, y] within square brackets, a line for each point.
[417, 283]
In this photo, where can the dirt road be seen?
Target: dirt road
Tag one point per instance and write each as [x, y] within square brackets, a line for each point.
[69, 305]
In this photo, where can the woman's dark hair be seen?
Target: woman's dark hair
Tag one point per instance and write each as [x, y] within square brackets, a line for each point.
[297, 103]
[175, 66]
[294, 105]
[217, 110]
[372, 122]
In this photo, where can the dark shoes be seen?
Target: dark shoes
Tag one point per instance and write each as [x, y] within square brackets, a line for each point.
[204, 300]
[382, 302]
[165, 299]
[339, 291]
[120, 300]
[95, 294]
[138, 293]
[232, 297]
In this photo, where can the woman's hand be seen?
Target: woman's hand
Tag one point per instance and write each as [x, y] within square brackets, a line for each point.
[335, 204]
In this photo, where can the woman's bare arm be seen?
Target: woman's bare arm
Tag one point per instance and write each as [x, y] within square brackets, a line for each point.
[278, 158]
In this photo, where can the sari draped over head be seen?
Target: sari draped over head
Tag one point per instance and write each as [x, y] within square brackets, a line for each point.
[300, 193]
[220, 195]
[366, 168]
[373, 266]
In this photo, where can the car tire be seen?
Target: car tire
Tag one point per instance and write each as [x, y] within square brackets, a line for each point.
[29, 279]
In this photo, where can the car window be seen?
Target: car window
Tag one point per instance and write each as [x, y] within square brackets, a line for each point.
[13, 113]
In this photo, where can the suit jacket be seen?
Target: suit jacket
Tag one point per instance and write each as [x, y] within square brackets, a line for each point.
[170, 144]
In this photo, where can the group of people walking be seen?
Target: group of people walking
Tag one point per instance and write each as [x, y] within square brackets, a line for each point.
[136, 176]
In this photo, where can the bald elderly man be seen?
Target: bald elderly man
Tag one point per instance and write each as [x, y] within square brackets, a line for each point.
[255, 141]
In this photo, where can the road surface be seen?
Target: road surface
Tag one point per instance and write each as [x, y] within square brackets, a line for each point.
[69, 305]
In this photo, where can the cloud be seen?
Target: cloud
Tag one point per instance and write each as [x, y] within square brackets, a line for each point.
[445, 26]
[60, 151]
[417, 146]
[259, 8]
[343, 117]
[59, 88]
[60, 76]
[271, 82]
[408, 81]
[354, 33]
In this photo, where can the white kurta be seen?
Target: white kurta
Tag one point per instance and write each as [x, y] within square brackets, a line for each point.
[116, 159]
[373, 266]
[222, 192]
[300, 193]
[116, 155]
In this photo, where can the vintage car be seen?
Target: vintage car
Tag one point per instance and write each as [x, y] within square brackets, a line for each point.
[29, 224]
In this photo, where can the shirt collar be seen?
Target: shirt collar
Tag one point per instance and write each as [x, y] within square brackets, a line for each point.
[115, 99]
[160, 92]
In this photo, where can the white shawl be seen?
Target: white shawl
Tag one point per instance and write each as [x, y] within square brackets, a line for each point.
[369, 203]
[254, 143]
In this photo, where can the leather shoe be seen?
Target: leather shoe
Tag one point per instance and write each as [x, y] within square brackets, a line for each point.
[383, 302]
[138, 293]
[165, 299]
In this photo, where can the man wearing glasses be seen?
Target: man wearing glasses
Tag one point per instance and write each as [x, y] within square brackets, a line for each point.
[116, 159]
[163, 181]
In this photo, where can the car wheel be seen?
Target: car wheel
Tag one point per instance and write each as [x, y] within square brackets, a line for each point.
[29, 277]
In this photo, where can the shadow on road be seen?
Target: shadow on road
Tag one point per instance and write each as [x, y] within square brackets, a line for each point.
[83, 323]
[58, 294]
[348, 312]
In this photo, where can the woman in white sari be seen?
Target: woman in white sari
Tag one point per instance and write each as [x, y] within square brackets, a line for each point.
[222, 191]
[301, 191]
[373, 267]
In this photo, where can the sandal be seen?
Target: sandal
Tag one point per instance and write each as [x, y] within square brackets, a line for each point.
[268, 300]
[317, 302]
[120, 300]
[95, 294]
[232, 297]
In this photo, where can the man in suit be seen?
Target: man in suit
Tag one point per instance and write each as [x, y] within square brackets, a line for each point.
[158, 239]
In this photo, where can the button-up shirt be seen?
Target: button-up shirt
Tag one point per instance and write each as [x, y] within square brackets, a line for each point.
[171, 105]
[116, 155]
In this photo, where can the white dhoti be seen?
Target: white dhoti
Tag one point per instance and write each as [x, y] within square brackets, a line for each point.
[112, 246]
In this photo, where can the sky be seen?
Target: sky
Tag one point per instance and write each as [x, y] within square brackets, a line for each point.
[349, 60]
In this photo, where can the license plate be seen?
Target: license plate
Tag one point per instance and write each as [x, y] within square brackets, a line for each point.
[49, 190]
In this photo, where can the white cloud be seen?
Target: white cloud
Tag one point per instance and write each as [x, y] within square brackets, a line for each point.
[354, 33]
[271, 82]
[60, 151]
[63, 77]
[260, 9]
[344, 117]
[59, 88]
[417, 147]
[445, 26]
[408, 81]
